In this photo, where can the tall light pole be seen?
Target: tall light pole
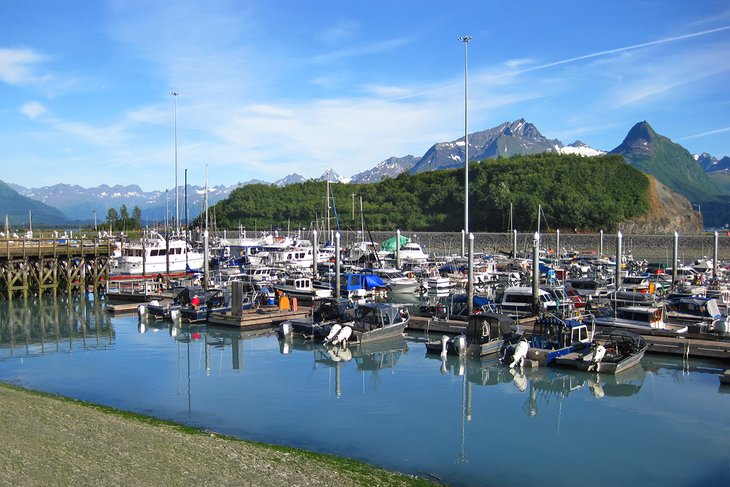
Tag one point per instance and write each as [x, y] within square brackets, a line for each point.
[177, 207]
[465, 40]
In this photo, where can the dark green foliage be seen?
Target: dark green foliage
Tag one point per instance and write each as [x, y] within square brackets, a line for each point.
[574, 191]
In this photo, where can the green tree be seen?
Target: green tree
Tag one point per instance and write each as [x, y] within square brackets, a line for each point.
[112, 218]
[124, 217]
[136, 218]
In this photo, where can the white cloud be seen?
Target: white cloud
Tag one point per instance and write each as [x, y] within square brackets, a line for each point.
[33, 109]
[17, 66]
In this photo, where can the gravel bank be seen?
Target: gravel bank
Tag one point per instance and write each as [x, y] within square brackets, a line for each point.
[48, 440]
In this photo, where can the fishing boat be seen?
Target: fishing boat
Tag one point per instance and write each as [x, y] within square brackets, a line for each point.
[612, 352]
[701, 313]
[371, 321]
[517, 301]
[553, 337]
[486, 336]
[196, 304]
[301, 287]
[643, 320]
[154, 254]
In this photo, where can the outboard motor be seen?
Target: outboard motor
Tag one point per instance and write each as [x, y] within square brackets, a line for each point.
[459, 344]
[285, 329]
[344, 335]
[444, 345]
[174, 314]
[333, 332]
[142, 310]
[520, 354]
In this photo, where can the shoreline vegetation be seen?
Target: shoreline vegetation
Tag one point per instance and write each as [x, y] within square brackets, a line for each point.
[54, 440]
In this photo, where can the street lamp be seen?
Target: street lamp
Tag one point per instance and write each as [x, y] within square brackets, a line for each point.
[465, 40]
[177, 209]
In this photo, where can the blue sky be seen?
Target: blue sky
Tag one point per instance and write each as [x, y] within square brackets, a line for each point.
[268, 88]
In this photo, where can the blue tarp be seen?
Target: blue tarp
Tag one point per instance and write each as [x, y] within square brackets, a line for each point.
[352, 282]
[478, 301]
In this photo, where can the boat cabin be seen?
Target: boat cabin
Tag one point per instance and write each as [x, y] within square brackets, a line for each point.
[485, 327]
[517, 300]
[552, 333]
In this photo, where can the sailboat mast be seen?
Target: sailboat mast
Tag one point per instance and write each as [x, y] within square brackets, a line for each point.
[329, 237]
[205, 234]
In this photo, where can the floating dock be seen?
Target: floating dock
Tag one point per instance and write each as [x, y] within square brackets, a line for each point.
[689, 347]
[261, 318]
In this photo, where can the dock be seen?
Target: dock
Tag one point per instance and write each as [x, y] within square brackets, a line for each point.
[38, 266]
[689, 347]
[256, 319]
[122, 308]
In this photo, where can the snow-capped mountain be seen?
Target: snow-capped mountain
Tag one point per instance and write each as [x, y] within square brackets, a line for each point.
[290, 179]
[388, 168]
[332, 176]
[579, 148]
[710, 163]
[508, 139]
[79, 203]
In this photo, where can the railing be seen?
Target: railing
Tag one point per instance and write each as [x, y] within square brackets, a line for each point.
[52, 247]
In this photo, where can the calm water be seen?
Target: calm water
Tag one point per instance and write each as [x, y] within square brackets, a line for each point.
[665, 423]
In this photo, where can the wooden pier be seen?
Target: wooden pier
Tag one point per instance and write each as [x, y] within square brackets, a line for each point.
[39, 266]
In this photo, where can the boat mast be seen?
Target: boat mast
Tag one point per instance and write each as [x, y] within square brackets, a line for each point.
[205, 234]
[329, 236]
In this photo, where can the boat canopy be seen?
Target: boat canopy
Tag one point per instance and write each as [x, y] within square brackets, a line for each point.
[354, 281]
[390, 244]
[477, 301]
[488, 326]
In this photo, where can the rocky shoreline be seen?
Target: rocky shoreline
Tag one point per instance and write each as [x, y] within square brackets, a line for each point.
[48, 440]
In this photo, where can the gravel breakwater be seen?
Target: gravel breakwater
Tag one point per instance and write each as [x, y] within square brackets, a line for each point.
[48, 440]
[654, 248]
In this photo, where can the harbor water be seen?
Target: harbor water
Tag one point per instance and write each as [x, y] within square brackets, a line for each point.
[664, 423]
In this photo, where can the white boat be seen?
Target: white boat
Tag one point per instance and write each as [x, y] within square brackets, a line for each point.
[517, 301]
[639, 318]
[155, 255]
[396, 280]
[302, 288]
[412, 253]
[285, 251]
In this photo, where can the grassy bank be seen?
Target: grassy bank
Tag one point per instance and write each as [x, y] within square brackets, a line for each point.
[51, 440]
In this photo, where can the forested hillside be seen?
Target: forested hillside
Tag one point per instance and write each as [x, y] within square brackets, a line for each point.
[574, 191]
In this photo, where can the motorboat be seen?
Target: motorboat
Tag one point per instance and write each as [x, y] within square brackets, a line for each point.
[372, 321]
[301, 287]
[396, 280]
[644, 320]
[702, 312]
[154, 254]
[611, 352]
[487, 334]
[412, 253]
[553, 337]
[517, 301]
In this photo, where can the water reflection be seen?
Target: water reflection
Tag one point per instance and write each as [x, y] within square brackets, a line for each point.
[545, 386]
[46, 325]
[367, 357]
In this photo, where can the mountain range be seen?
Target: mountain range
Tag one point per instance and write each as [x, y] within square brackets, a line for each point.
[699, 178]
